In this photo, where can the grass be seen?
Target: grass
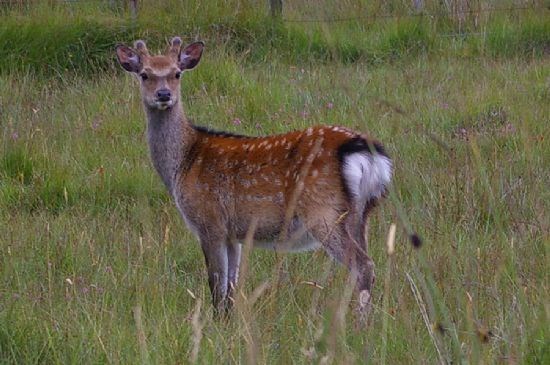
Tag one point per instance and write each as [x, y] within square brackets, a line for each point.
[96, 266]
[52, 40]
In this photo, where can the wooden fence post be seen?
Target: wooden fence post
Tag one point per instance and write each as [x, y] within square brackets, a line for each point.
[133, 9]
[418, 5]
[276, 7]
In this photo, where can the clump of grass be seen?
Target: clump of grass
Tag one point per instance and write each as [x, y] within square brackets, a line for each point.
[406, 39]
[54, 46]
[506, 39]
[17, 163]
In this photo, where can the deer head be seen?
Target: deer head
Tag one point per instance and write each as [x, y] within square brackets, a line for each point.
[159, 75]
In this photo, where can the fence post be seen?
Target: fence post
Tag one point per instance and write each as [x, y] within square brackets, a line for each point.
[276, 7]
[133, 9]
[418, 5]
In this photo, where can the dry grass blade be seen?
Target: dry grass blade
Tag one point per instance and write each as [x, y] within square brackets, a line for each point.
[299, 188]
[313, 284]
[424, 313]
[293, 201]
[142, 341]
[257, 292]
[197, 327]
[243, 304]
[339, 320]
[390, 243]
[248, 245]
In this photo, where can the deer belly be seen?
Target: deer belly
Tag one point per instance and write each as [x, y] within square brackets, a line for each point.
[301, 244]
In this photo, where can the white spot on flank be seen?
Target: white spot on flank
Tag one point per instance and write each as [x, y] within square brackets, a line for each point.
[315, 173]
[321, 132]
[309, 131]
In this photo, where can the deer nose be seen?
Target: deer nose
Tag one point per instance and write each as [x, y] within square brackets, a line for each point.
[163, 95]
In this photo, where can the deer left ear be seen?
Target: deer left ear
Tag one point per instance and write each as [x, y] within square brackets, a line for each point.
[190, 56]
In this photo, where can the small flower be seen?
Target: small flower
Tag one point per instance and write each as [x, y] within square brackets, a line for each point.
[237, 121]
[508, 128]
[444, 105]
[330, 105]
[96, 124]
[304, 114]
[15, 136]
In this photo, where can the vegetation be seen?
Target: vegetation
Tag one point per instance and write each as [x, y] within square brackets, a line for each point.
[96, 266]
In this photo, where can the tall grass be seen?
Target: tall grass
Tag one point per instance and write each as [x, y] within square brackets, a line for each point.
[80, 36]
[96, 266]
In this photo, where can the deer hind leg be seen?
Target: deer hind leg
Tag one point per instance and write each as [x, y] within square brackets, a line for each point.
[345, 242]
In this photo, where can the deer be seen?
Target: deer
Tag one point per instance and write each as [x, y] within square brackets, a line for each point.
[302, 190]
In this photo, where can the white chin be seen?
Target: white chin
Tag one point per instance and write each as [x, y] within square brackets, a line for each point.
[164, 106]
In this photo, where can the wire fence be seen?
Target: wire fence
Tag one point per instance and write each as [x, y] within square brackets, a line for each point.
[276, 9]
[449, 10]
[411, 15]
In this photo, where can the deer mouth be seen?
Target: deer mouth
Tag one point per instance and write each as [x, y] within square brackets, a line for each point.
[163, 105]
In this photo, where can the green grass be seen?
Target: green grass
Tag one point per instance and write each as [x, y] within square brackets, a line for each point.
[80, 37]
[87, 233]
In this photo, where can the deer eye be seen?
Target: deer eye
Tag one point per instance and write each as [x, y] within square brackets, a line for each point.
[143, 76]
[178, 75]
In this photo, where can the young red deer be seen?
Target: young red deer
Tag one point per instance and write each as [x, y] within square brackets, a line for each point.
[302, 190]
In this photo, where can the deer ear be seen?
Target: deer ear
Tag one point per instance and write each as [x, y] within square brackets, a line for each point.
[190, 56]
[128, 58]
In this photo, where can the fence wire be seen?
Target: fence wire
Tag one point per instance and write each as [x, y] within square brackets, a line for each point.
[133, 8]
[415, 15]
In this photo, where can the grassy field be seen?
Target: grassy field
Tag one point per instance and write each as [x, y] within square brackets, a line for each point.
[96, 266]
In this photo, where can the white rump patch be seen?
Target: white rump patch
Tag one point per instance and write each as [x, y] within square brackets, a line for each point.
[367, 175]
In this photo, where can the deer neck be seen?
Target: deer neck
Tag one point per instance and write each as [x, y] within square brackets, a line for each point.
[170, 137]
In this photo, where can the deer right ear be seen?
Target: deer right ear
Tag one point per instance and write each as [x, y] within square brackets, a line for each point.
[128, 58]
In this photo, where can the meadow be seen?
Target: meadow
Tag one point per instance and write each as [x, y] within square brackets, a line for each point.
[96, 266]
